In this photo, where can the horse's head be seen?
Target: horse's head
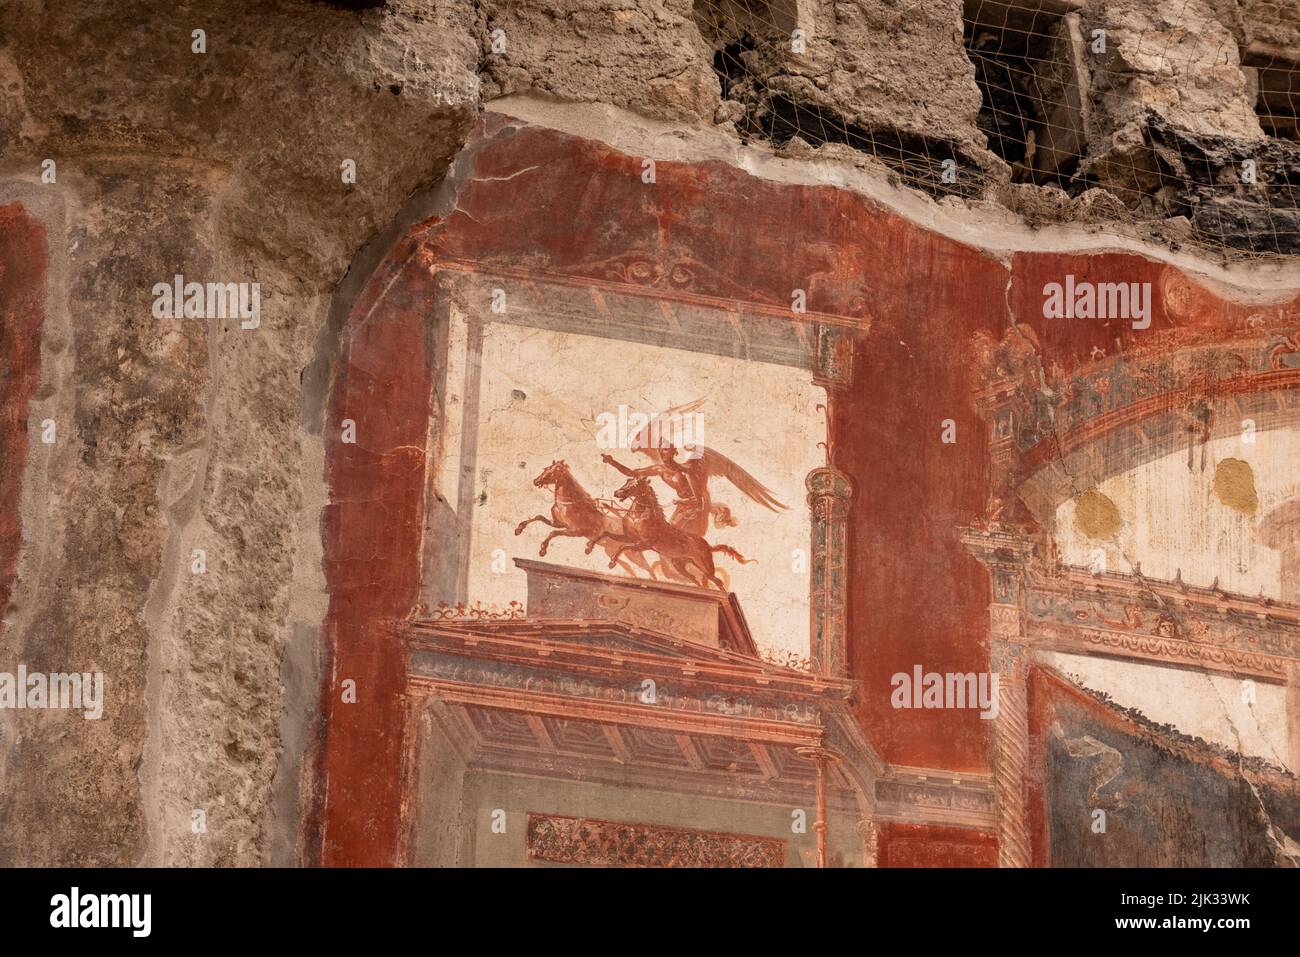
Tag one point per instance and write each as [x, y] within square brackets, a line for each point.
[632, 488]
[551, 474]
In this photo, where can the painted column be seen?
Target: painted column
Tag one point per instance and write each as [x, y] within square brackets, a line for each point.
[1017, 410]
[829, 492]
[1007, 553]
[820, 757]
[1011, 754]
[869, 832]
[1279, 529]
[820, 826]
[1293, 717]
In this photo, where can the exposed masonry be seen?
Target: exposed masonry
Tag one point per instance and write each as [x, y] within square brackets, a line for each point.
[1002, 101]
[1152, 104]
[1278, 104]
[224, 165]
[855, 81]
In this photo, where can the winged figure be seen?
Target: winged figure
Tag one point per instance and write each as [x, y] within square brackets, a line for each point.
[688, 474]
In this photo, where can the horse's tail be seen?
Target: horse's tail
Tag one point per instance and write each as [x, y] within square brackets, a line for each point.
[732, 553]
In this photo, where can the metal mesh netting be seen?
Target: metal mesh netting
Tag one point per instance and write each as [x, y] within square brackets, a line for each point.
[1185, 116]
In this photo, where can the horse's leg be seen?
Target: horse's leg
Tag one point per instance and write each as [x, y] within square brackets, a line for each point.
[558, 533]
[673, 571]
[683, 573]
[639, 559]
[709, 576]
[593, 542]
[710, 568]
[615, 551]
[676, 569]
[636, 558]
[626, 543]
[519, 529]
[711, 572]
[701, 580]
[703, 558]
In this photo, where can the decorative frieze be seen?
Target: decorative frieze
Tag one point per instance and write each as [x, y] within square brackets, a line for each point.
[597, 843]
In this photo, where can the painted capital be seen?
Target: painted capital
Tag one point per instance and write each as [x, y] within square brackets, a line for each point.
[833, 358]
[1006, 551]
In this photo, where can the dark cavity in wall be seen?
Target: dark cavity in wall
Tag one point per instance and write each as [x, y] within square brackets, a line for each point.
[751, 42]
[1278, 99]
[919, 161]
[729, 64]
[725, 21]
[1259, 216]
[1027, 112]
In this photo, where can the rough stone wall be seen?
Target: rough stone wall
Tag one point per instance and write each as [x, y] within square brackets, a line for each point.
[1175, 62]
[1274, 22]
[1147, 112]
[644, 55]
[175, 436]
[1177, 59]
[889, 80]
[858, 66]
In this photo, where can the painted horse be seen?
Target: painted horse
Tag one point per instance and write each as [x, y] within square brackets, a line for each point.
[647, 529]
[576, 514]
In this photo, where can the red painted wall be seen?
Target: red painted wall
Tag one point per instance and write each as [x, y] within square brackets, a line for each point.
[23, 260]
[916, 598]
[531, 201]
[916, 845]
[541, 201]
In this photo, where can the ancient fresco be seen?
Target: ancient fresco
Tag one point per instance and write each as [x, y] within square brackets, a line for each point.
[670, 551]
[650, 435]
[638, 555]
[593, 453]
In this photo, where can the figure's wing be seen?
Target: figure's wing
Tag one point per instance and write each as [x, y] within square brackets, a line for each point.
[641, 439]
[718, 464]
